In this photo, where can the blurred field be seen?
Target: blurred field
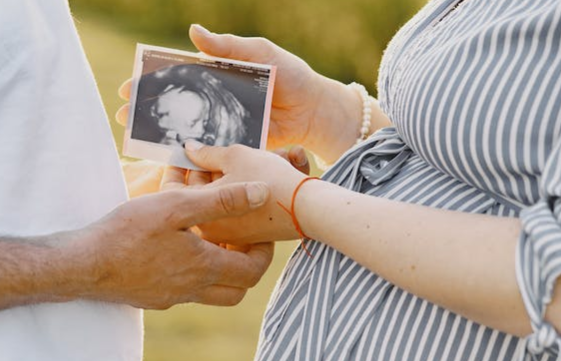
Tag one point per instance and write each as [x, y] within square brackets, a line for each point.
[341, 39]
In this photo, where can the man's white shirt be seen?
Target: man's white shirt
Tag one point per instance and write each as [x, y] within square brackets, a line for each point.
[59, 170]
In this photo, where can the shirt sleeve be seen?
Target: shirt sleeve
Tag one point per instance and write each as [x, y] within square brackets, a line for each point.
[538, 258]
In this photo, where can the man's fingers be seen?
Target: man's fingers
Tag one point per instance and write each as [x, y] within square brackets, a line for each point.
[242, 269]
[122, 115]
[235, 273]
[208, 204]
[299, 160]
[221, 296]
[125, 90]
[230, 46]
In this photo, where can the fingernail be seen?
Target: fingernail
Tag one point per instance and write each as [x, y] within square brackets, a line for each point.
[192, 145]
[257, 194]
[201, 30]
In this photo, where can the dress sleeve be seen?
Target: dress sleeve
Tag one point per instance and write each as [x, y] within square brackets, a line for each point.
[538, 257]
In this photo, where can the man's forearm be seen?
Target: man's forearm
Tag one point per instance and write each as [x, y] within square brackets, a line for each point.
[42, 269]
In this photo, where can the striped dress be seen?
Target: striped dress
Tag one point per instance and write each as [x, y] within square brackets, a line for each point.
[473, 89]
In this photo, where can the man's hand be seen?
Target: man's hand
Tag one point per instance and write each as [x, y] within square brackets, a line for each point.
[148, 257]
[143, 254]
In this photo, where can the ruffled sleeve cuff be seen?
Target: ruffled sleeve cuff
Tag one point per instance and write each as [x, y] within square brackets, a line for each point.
[538, 260]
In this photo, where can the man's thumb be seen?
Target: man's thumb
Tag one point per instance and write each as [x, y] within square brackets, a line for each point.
[209, 204]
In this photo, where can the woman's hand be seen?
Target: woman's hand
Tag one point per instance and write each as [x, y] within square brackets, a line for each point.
[142, 177]
[228, 164]
[297, 87]
[307, 108]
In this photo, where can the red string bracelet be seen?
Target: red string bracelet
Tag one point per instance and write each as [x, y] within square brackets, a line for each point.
[292, 214]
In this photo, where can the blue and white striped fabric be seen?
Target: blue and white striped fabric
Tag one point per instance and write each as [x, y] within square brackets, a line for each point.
[474, 91]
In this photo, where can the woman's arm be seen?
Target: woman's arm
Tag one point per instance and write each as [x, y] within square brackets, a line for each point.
[463, 262]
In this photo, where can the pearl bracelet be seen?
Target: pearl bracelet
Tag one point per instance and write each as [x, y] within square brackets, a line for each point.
[366, 111]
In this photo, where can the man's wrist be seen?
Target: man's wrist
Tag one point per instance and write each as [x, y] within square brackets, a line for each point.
[90, 260]
[70, 261]
[44, 269]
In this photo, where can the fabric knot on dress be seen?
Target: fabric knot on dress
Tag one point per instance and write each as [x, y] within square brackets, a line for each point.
[381, 157]
[543, 339]
[538, 261]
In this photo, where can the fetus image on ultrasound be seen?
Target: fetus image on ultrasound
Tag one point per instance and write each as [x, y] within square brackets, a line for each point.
[185, 101]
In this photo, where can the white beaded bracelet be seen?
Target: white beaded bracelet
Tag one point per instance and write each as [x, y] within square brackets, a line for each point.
[366, 111]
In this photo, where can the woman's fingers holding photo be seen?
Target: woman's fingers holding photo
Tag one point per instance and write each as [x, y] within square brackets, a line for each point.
[125, 90]
[299, 90]
[231, 46]
[122, 114]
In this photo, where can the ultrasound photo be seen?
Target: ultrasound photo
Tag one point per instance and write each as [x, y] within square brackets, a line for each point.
[178, 95]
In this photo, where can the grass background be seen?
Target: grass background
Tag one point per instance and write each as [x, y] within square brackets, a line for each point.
[341, 39]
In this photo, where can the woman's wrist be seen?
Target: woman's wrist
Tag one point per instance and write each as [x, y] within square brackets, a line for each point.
[330, 136]
[292, 227]
[339, 118]
[284, 199]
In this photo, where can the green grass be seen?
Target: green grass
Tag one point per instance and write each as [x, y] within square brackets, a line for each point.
[188, 332]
